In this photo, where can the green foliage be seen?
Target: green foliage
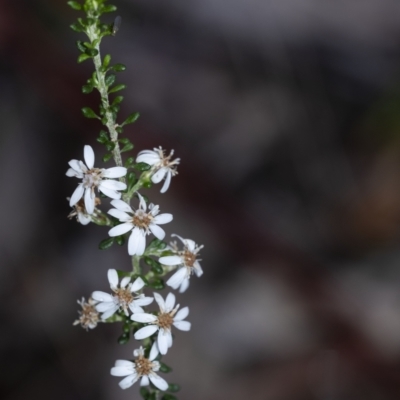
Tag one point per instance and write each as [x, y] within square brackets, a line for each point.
[120, 240]
[131, 119]
[165, 368]
[89, 113]
[174, 387]
[142, 166]
[118, 67]
[110, 79]
[106, 243]
[124, 338]
[117, 88]
[127, 147]
[169, 397]
[145, 393]
[155, 266]
[75, 5]
[130, 162]
[83, 57]
[157, 284]
[107, 157]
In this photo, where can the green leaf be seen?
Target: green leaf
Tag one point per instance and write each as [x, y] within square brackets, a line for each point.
[165, 368]
[119, 67]
[80, 46]
[75, 5]
[91, 52]
[76, 27]
[142, 166]
[107, 157]
[106, 243]
[86, 89]
[145, 393]
[153, 396]
[129, 162]
[127, 147]
[120, 240]
[106, 61]
[131, 119]
[157, 244]
[117, 88]
[110, 79]
[118, 100]
[83, 57]
[124, 338]
[110, 146]
[124, 140]
[155, 265]
[174, 387]
[147, 184]
[109, 8]
[157, 284]
[131, 179]
[89, 113]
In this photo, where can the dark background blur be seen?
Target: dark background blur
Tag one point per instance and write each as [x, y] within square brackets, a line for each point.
[286, 117]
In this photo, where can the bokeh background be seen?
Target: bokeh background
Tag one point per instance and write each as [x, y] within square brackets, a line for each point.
[286, 116]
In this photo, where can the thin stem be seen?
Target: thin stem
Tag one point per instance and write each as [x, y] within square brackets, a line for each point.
[136, 265]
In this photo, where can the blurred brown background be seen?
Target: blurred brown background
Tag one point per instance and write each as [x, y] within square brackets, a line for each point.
[286, 115]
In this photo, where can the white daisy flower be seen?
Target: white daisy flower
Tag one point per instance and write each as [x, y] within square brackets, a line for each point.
[162, 166]
[163, 322]
[88, 317]
[93, 178]
[187, 259]
[124, 296]
[144, 368]
[79, 211]
[140, 222]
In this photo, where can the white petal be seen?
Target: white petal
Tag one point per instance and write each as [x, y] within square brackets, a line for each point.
[153, 351]
[112, 276]
[122, 216]
[137, 285]
[142, 203]
[88, 155]
[146, 332]
[114, 172]
[112, 194]
[166, 183]
[159, 175]
[121, 363]
[162, 341]
[134, 240]
[74, 164]
[120, 229]
[122, 206]
[141, 247]
[145, 381]
[148, 157]
[158, 232]
[163, 219]
[160, 301]
[125, 281]
[89, 200]
[113, 185]
[169, 302]
[169, 341]
[197, 269]
[181, 314]
[83, 219]
[184, 285]
[101, 296]
[71, 172]
[170, 260]
[109, 313]
[177, 278]
[182, 325]
[158, 382]
[106, 306]
[77, 195]
[143, 318]
[143, 301]
[190, 244]
[123, 370]
[128, 381]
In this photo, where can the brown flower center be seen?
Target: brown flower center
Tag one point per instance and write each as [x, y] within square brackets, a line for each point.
[143, 366]
[125, 297]
[142, 219]
[88, 316]
[92, 178]
[189, 258]
[165, 320]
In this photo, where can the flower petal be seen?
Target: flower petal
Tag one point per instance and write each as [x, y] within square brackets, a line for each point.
[181, 314]
[125, 281]
[166, 183]
[89, 201]
[170, 260]
[120, 229]
[169, 302]
[74, 164]
[177, 278]
[148, 156]
[184, 285]
[143, 301]
[162, 341]
[142, 203]
[88, 155]
[77, 195]
[141, 247]
[146, 332]
[143, 318]
[109, 313]
[137, 285]
[112, 276]
[105, 306]
[160, 301]
[122, 206]
[122, 216]
[134, 239]
[153, 351]
[83, 219]
[182, 325]
[128, 381]
[163, 219]
[145, 381]
[114, 172]
[158, 232]
[159, 175]
[113, 185]
[197, 269]
[123, 368]
[158, 382]
[112, 194]
[71, 172]
[101, 296]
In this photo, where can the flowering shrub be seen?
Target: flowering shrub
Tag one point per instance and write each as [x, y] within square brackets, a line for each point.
[126, 302]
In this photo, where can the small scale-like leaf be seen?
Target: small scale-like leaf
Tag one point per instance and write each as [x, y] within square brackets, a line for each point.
[110, 146]
[127, 147]
[118, 100]
[75, 5]
[106, 243]
[174, 387]
[157, 284]
[142, 166]
[110, 79]
[89, 113]
[80, 46]
[76, 27]
[86, 89]
[109, 8]
[106, 61]
[117, 88]
[131, 119]
[119, 67]
[92, 52]
[129, 162]
[144, 392]
[165, 368]
[107, 157]
[120, 240]
[124, 338]
[83, 57]
[147, 184]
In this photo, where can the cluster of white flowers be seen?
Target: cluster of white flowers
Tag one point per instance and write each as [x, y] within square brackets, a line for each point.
[126, 301]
